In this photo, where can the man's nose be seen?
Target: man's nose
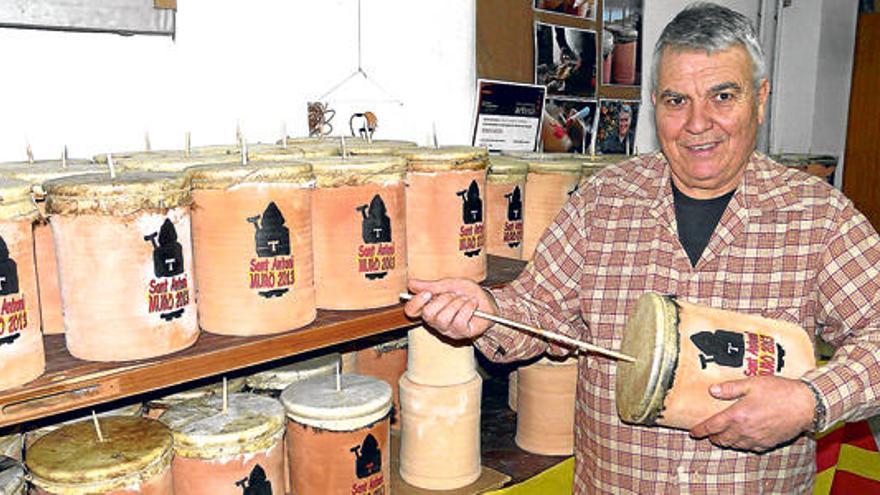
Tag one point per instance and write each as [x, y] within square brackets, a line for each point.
[699, 120]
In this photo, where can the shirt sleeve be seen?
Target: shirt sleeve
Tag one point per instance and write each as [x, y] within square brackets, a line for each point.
[848, 311]
[546, 294]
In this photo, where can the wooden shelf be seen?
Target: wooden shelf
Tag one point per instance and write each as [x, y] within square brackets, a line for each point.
[70, 383]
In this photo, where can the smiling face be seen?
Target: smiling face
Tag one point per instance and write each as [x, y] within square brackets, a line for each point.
[707, 113]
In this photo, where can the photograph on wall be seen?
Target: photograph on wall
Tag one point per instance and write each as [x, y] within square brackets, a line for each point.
[568, 125]
[616, 132]
[565, 60]
[508, 116]
[584, 9]
[621, 43]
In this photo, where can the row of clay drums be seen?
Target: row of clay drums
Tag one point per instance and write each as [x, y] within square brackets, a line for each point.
[302, 429]
[126, 255]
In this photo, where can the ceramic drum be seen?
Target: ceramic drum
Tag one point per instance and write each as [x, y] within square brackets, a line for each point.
[230, 452]
[386, 361]
[437, 360]
[134, 458]
[681, 349]
[36, 174]
[339, 440]
[252, 231]
[359, 218]
[625, 49]
[552, 179]
[505, 193]
[22, 358]
[545, 406]
[32, 435]
[125, 263]
[273, 381]
[444, 213]
[155, 407]
[440, 437]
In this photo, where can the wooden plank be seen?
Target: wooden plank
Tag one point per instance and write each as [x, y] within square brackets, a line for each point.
[70, 383]
[861, 170]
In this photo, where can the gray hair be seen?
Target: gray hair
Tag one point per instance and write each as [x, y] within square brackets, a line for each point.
[711, 28]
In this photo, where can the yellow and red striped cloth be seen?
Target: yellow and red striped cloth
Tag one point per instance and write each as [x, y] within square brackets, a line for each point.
[847, 460]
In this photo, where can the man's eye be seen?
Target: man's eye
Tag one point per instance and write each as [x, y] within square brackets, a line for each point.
[675, 101]
[724, 97]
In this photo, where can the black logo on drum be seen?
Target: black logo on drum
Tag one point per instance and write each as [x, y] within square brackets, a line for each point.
[256, 483]
[272, 238]
[8, 271]
[167, 258]
[375, 223]
[472, 205]
[167, 252]
[514, 205]
[720, 347]
[368, 457]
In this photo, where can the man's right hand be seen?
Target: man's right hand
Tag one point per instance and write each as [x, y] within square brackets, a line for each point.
[448, 306]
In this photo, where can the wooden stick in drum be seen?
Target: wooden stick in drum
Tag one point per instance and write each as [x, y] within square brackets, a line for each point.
[557, 337]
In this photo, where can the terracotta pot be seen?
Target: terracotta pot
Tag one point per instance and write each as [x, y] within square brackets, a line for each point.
[273, 381]
[252, 235]
[134, 458]
[12, 479]
[428, 349]
[625, 50]
[36, 174]
[339, 441]
[444, 213]
[154, 408]
[440, 438]
[387, 362]
[545, 407]
[31, 436]
[681, 349]
[125, 262]
[21, 344]
[551, 180]
[359, 218]
[505, 193]
[227, 452]
[512, 390]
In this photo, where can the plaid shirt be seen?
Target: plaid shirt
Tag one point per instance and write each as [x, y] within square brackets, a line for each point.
[788, 246]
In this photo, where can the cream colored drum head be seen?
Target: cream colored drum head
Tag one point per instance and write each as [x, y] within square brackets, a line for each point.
[651, 336]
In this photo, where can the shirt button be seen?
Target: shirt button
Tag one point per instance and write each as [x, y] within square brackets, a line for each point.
[697, 476]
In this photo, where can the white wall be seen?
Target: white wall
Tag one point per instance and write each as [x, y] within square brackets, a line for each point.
[256, 62]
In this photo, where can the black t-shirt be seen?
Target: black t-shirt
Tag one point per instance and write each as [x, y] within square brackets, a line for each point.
[697, 219]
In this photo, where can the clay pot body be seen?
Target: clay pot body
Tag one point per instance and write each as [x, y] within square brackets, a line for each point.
[551, 180]
[339, 441]
[444, 213]
[134, 459]
[252, 230]
[359, 218]
[545, 407]
[624, 66]
[225, 453]
[440, 438]
[22, 358]
[36, 174]
[125, 262]
[681, 349]
[386, 362]
[439, 361]
[505, 194]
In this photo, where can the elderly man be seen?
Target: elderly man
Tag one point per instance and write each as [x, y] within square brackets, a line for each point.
[714, 222]
[622, 140]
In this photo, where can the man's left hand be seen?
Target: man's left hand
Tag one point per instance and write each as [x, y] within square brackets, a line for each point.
[768, 411]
